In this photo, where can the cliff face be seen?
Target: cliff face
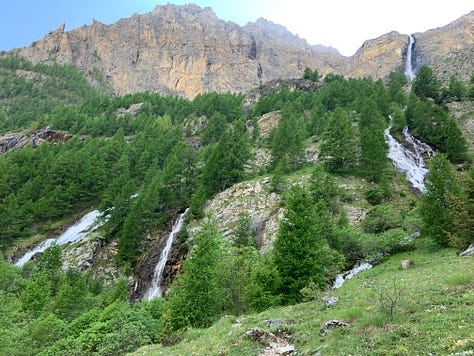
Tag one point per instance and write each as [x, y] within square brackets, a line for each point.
[378, 57]
[187, 50]
[449, 49]
[182, 50]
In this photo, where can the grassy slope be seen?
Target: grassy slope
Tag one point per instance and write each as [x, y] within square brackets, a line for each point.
[434, 314]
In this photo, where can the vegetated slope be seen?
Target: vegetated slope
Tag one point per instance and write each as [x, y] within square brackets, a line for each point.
[424, 309]
[143, 158]
[187, 50]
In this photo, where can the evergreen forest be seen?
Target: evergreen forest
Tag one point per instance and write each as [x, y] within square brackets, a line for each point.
[142, 159]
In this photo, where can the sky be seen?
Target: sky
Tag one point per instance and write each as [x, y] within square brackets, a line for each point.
[342, 24]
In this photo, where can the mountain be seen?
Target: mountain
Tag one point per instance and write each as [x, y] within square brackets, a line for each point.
[449, 49]
[186, 50]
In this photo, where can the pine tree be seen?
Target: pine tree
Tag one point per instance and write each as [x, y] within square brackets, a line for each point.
[373, 154]
[301, 253]
[287, 139]
[426, 85]
[435, 208]
[196, 296]
[339, 148]
[455, 145]
[462, 214]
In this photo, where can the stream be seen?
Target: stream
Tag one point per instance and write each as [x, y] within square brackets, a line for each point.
[83, 227]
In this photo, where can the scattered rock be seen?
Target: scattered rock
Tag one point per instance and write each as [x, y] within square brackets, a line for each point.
[275, 322]
[259, 335]
[331, 324]
[468, 252]
[238, 322]
[330, 301]
[286, 350]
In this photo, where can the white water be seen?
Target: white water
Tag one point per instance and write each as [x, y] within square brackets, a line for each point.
[408, 65]
[409, 160]
[155, 288]
[341, 278]
[87, 224]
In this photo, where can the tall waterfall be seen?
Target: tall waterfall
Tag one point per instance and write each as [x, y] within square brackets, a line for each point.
[87, 224]
[155, 288]
[408, 62]
[409, 160]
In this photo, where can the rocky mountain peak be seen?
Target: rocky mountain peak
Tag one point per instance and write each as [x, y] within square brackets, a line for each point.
[186, 50]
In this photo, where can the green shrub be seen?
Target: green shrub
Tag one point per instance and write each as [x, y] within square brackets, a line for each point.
[381, 218]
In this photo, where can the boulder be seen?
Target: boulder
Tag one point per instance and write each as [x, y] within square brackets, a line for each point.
[331, 324]
[469, 252]
[330, 301]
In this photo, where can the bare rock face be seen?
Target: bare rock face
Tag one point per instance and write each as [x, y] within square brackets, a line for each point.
[449, 49]
[184, 50]
[18, 140]
[254, 199]
[378, 57]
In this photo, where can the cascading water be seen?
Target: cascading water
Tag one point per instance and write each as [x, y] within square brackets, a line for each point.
[409, 160]
[155, 289]
[341, 278]
[83, 227]
[410, 74]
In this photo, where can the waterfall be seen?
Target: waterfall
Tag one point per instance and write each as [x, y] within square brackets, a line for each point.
[409, 160]
[87, 224]
[155, 288]
[408, 63]
[341, 278]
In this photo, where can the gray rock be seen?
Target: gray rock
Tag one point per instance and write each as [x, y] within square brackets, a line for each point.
[286, 350]
[468, 252]
[331, 324]
[275, 322]
[329, 301]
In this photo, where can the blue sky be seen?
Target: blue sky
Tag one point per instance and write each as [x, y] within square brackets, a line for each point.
[343, 24]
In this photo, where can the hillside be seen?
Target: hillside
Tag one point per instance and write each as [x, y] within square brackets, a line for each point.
[424, 309]
[187, 50]
[239, 200]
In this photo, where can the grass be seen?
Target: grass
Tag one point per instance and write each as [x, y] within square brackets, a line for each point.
[433, 313]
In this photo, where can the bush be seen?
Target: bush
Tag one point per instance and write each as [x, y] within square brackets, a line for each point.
[381, 218]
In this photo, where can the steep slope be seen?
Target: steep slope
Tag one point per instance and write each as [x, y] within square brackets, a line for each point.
[449, 49]
[187, 50]
[181, 50]
[437, 289]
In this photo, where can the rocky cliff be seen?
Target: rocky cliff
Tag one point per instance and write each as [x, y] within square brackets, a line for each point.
[449, 49]
[187, 50]
[184, 50]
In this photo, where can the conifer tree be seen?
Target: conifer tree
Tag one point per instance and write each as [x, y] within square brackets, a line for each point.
[196, 297]
[339, 149]
[455, 145]
[435, 208]
[462, 214]
[426, 85]
[301, 252]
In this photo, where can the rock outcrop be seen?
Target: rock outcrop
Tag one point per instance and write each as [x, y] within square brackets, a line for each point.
[18, 140]
[186, 50]
[449, 49]
[183, 50]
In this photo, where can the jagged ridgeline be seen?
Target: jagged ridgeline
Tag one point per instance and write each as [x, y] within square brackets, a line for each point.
[275, 190]
[187, 50]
